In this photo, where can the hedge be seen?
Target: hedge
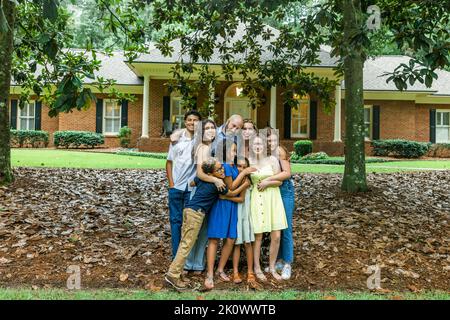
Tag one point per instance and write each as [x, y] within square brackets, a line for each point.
[400, 148]
[335, 161]
[303, 147]
[33, 138]
[143, 154]
[76, 139]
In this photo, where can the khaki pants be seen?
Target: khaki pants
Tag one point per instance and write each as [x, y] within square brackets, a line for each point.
[192, 223]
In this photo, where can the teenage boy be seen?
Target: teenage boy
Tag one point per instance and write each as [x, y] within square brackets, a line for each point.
[193, 216]
[180, 171]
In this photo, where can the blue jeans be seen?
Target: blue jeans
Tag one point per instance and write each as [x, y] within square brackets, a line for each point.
[286, 251]
[177, 201]
[196, 260]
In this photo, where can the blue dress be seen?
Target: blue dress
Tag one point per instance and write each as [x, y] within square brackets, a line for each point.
[222, 220]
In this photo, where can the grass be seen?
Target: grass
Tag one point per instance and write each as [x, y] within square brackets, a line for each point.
[60, 294]
[79, 159]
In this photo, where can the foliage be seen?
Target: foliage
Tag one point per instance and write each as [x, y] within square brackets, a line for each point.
[303, 147]
[143, 154]
[33, 138]
[400, 148]
[316, 156]
[125, 137]
[76, 139]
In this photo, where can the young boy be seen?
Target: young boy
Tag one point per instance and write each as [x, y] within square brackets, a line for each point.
[193, 215]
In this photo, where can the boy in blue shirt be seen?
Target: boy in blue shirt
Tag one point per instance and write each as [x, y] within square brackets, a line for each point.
[193, 215]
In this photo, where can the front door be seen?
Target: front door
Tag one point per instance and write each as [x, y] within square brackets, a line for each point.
[241, 107]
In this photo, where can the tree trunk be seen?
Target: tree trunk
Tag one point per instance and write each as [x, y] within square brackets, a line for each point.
[6, 50]
[355, 167]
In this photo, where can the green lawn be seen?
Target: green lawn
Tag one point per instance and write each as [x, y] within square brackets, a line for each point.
[78, 159]
[59, 294]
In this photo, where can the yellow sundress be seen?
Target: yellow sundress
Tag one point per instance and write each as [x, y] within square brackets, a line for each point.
[266, 208]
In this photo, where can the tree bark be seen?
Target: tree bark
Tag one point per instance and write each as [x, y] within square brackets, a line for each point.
[355, 167]
[6, 50]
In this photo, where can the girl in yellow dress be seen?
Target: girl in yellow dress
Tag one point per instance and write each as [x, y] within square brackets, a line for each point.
[266, 206]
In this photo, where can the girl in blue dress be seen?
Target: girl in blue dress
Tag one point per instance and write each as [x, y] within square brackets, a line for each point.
[222, 220]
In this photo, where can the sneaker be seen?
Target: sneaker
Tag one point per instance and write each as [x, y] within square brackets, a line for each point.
[278, 267]
[177, 283]
[286, 273]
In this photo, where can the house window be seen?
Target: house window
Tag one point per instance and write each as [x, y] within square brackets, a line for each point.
[176, 112]
[300, 118]
[442, 126]
[111, 119]
[368, 121]
[26, 119]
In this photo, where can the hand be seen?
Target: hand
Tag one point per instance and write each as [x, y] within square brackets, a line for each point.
[247, 183]
[171, 185]
[223, 197]
[250, 170]
[263, 185]
[174, 137]
[220, 185]
[192, 184]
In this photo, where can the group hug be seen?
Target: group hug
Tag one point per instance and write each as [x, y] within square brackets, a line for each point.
[231, 183]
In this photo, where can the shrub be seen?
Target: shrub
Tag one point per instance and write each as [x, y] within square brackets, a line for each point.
[143, 154]
[303, 147]
[440, 150]
[400, 148]
[316, 156]
[76, 139]
[33, 138]
[125, 137]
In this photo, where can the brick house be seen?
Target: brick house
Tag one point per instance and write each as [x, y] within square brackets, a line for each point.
[419, 113]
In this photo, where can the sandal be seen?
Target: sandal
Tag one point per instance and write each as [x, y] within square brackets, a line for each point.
[209, 283]
[260, 275]
[223, 276]
[252, 283]
[236, 278]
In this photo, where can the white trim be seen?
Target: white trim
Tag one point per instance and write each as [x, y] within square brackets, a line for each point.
[370, 107]
[273, 106]
[226, 115]
[337, 115]
[145, 107]
[111, 134]
[442, 126]
[303, 135]
[29, 118]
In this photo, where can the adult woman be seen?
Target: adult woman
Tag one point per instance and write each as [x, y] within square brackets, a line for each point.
[286, 252]
[249, 130]
[267, 210]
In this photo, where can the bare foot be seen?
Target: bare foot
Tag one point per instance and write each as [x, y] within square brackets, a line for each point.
[260, 275]
[222, 275]
[209, 283]
[275, 275]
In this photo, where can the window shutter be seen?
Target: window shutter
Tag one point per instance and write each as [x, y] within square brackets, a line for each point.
[313, 120]
[124, 114]
[376, 123]
[13, 121]
[166, 108]
[433, 125]
[99, 116]
[38, 115]
[287, 121]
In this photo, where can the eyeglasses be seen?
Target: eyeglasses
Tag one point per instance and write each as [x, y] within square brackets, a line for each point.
[220, 169]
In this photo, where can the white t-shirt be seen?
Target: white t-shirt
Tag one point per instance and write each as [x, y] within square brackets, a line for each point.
[183, 169]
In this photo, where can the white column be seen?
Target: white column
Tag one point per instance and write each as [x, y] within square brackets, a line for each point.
[273, 107]
[145, 109]
[337, 115]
